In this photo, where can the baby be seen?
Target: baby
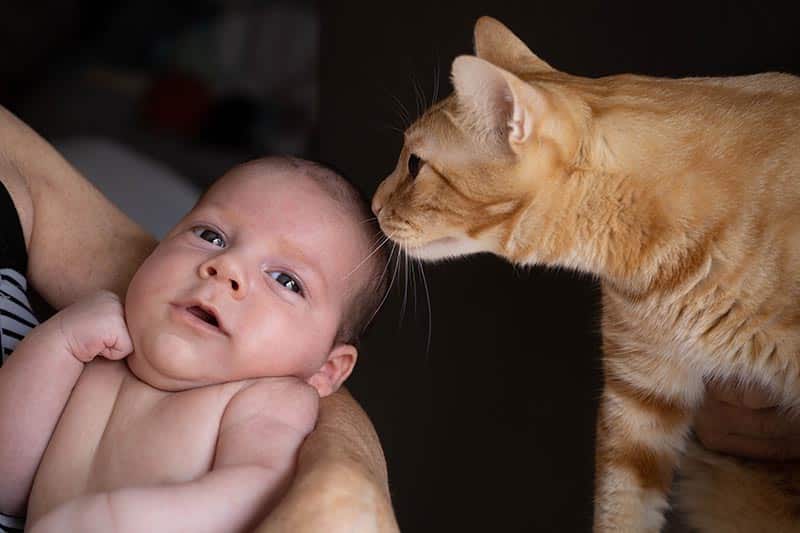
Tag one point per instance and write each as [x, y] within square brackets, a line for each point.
[190, 416]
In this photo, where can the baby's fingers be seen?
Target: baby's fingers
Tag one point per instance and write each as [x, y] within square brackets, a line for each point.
[117, 347]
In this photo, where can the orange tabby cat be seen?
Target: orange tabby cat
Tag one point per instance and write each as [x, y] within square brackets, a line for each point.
[682, 195]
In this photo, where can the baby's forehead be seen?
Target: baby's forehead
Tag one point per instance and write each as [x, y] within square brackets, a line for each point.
[262, 173]
[292, 191]
[256, 189]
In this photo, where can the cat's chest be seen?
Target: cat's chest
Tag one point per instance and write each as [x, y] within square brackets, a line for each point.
[711, 333]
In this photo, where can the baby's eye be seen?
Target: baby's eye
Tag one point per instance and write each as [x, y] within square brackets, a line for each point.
[414, 164]
[287, 281]
[209, 235]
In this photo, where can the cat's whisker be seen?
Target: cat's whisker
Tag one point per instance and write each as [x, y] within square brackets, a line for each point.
[402, 111]
[395, 129]
[414, 284]
[394, 272]
[396, 266]
[380, 282]
[428, 300]
[415, 261]
[405, 287]
[418, 96]
[383, 240]
[436, 72]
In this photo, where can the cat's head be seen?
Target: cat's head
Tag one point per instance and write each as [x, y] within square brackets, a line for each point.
[473, 163]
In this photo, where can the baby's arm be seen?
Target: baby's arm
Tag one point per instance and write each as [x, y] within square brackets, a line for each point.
[36, 382]
[260, 433]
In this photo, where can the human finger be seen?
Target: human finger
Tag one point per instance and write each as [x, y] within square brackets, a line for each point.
[730, 392]
[758, 434]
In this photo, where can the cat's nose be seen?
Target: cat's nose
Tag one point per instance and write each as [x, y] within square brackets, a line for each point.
[377, 205]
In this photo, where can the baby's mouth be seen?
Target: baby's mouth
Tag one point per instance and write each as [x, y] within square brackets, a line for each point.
[203, 315]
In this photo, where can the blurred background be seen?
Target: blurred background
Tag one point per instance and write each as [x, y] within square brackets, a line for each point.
[482, 379]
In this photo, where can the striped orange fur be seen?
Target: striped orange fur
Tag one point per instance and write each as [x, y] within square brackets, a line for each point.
[681, 195]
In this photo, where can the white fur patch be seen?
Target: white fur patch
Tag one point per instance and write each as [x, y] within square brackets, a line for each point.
[622, 505]
[447, 248]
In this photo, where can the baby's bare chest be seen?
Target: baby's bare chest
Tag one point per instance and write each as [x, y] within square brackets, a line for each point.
[118, 432]
[155, 438]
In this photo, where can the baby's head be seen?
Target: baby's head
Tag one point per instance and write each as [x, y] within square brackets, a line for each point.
[270, 274]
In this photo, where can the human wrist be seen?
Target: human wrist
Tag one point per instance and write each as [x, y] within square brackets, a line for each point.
[51, 348]
[60, 326]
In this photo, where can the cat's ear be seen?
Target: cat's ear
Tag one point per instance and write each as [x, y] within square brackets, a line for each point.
[498, 101]
[498, 45]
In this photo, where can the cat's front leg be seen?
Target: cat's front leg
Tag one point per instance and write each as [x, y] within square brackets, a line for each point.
[641, 432]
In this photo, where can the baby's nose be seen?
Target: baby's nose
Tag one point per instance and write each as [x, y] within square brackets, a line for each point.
[232, 280]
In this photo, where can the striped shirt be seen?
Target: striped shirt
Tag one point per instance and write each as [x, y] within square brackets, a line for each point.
[16, 315]
[16, 319]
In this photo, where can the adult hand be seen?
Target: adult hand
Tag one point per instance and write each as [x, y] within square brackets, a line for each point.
[341, 483]
[746, 422]
[335, 498]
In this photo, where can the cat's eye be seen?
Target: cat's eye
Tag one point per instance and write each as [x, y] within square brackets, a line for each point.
[209, 235]
[414, 164]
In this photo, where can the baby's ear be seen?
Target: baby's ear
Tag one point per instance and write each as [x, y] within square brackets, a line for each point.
[335, 370]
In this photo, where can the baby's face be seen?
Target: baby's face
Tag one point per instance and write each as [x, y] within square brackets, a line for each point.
[251, 283]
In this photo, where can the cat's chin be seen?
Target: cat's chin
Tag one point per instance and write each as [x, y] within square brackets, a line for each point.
[445, 248]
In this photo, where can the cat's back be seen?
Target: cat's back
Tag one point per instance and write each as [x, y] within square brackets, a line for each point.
[772, 96]
[777, 83]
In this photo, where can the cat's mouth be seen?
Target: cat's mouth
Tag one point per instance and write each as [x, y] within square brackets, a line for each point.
[408, 239]
[436, 242]
[435, 249]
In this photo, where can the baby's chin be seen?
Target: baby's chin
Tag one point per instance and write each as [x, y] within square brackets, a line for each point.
[167, 363]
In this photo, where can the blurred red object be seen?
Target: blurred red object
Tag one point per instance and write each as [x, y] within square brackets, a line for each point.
[177, 102]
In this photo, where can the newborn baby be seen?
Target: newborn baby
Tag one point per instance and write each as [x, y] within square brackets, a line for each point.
[245, 314]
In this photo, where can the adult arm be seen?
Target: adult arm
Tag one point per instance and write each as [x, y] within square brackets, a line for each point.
[745, 422]
[77, 240]
[341, 483]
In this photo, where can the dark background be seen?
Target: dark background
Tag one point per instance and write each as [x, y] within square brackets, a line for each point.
[485, 403]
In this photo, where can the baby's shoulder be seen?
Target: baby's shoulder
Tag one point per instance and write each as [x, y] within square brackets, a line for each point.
[284, 400]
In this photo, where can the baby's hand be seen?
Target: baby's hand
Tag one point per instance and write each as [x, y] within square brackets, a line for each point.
[96, 326]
